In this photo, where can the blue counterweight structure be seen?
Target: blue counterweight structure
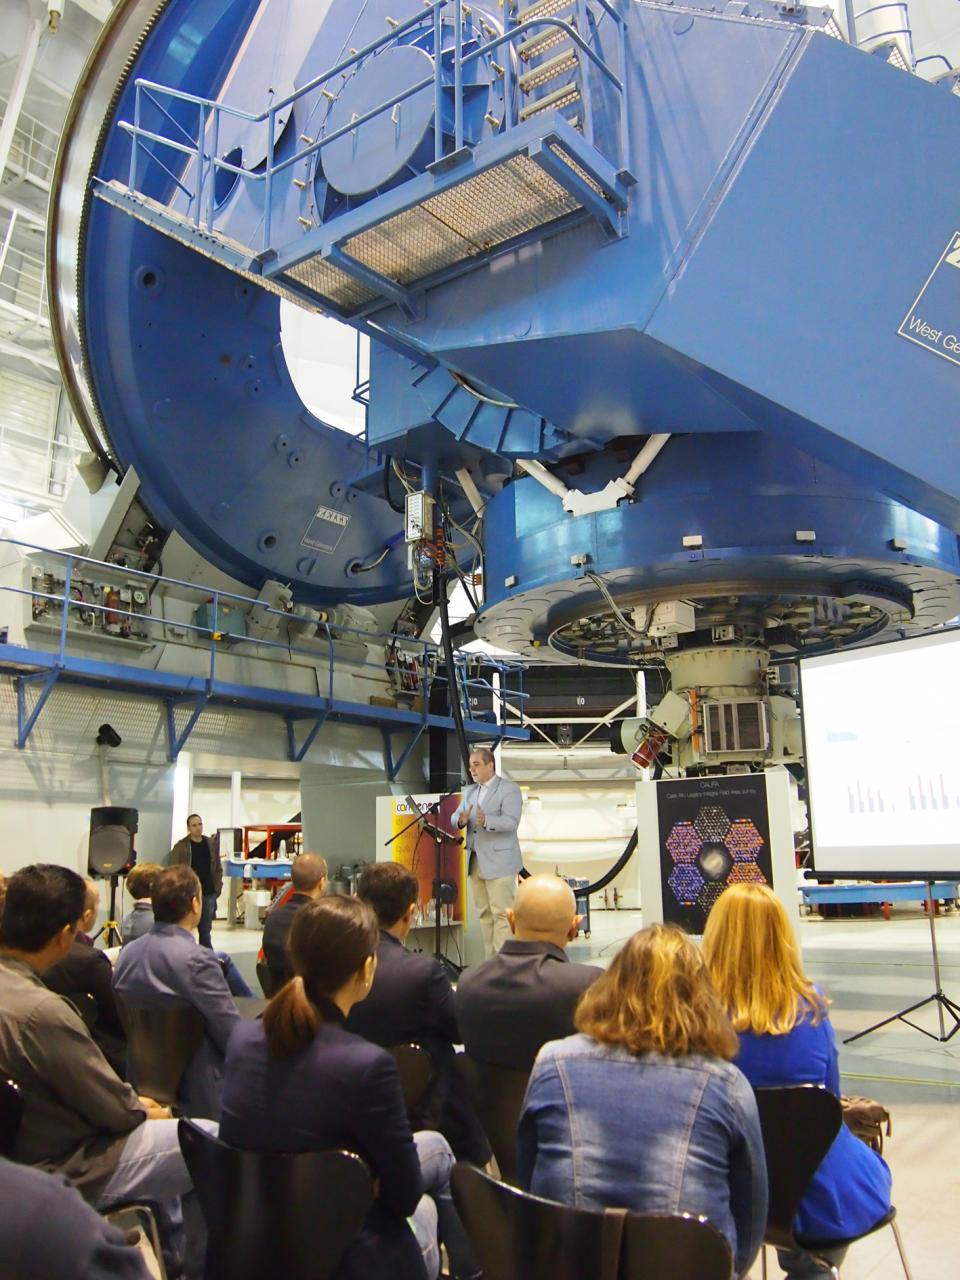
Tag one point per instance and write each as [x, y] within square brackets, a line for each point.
[585, 223]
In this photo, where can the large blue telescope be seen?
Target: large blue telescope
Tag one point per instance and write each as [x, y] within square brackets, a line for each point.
[674, 287]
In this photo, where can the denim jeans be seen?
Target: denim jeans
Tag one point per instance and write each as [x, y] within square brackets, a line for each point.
[206, 920]
[152, 1168]
[436, 1165]
[235, 979]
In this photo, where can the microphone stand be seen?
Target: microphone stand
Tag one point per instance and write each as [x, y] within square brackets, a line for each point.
[439, 837]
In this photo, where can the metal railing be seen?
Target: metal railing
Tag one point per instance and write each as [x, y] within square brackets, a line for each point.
[876, 32]
[202, 147]
[63, 611]
[33, 149]
[23, 275]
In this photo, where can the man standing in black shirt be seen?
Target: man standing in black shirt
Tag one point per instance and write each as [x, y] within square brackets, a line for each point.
[194, 851]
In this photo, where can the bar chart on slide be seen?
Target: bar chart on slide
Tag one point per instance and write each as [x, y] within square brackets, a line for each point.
[882, 758]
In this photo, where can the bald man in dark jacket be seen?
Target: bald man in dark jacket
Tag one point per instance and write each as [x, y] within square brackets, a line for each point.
[513, 1003]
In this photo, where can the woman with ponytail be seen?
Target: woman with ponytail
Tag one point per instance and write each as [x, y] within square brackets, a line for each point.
[297, 1080]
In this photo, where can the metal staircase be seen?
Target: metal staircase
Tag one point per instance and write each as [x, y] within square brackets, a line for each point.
[492, 183]
[552, 80]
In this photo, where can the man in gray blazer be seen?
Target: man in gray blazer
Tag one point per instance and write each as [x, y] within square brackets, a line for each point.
[490, 811]
[166, 967]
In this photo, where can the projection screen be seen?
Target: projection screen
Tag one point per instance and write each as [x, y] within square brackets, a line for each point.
[881, 730]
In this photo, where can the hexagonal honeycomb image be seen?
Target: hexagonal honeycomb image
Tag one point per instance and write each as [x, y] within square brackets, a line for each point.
[683, 842]
[685, 883]
[712, 822]
[746, 872]
[709, 894]
[743, 840]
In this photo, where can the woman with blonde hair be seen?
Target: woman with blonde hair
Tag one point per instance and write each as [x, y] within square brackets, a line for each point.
[786, 1038]
[643, 1109]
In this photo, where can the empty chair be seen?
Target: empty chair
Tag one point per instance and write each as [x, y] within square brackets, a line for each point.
[496, 1094]
[274, 1214]
[160, 1044]
[523, 1237]
[416, 1071]
[799, 1125]
[11, 1115]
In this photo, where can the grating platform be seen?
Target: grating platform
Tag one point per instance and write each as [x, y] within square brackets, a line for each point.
[533, 180]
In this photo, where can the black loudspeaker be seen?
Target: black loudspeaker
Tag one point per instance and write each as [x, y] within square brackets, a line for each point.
[112, 829]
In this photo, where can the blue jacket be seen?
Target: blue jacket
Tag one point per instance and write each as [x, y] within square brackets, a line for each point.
[341, 1091]
[167, 966]
[850, 1192]
[604, 1128]
[495, 844]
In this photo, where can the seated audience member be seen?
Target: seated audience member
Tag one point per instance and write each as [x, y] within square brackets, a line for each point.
[167, 967]
[297, 1080]
[643, 1109]
[786, 1038]
[79, 1118]
[308, 877]
[81, 1246]
[139, 921]
[86, 969]
[411, 1000]
[525, 995]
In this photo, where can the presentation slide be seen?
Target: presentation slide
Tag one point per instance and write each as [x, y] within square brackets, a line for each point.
[883, 764]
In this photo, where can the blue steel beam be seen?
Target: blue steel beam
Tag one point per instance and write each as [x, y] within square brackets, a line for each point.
[176, 741]
[26, 720]
[296, 754]
[173, 690]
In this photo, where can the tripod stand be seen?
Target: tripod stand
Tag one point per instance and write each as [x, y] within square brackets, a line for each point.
[943, 1002]
[441, 888]
[111, 928]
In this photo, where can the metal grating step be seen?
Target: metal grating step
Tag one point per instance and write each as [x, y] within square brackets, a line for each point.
[478, 214]
[555, 101]
[544, 38]
[545, 9]
[566, 60]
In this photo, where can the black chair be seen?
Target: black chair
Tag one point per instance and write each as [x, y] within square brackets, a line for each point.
[799, 1124]
[496, 1094]
[523, 1237]
[127, 1217]
[416, 1071]
[160, 1044]
[275, 1214]
[270, 981]
[11, 1115]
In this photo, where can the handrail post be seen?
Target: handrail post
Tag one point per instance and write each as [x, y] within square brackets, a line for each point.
[134, 142]
[624, 113]
[457, 75]
[214, 626]
[437, 81]
[583, 27]
[67, 589]
[329, 663]
[509, 106]
[214, 149]
[202, 129]
[268, 182]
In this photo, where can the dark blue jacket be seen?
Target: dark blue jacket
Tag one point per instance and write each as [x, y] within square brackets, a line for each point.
[344, 1092]
[851, 1189]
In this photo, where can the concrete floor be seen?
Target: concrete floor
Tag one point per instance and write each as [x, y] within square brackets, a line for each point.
[869, 968]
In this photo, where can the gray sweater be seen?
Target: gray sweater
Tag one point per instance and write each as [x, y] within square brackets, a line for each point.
[77, 1112]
